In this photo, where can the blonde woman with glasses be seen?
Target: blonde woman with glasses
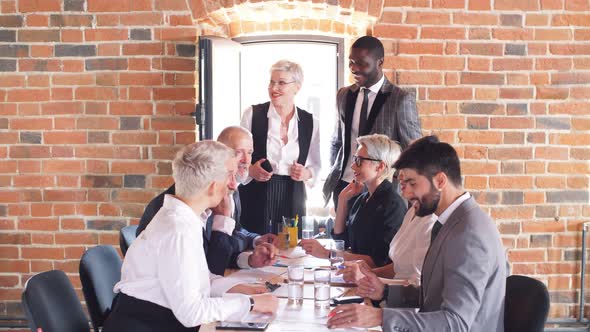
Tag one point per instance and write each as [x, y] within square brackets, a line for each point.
[367, 220]
[286, 153]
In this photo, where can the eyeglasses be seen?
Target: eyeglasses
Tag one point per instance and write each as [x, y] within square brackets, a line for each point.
[281, 84]
[358, 160]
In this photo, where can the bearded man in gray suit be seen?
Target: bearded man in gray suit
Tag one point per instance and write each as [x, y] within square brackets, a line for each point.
[372, 105]
[464, 271]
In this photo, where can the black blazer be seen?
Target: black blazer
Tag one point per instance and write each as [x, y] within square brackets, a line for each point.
[221, 249]
[372, 224]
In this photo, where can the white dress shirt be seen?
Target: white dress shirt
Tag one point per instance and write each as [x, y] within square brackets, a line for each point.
[447, 213]
[409, 246]
[166, 265]
[281, 156]
[354, 130]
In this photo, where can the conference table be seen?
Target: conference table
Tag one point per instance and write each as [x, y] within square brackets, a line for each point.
[293, 317]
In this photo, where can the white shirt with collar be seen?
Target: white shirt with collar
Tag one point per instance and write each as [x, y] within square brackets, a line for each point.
[281, 156]
[166, 265]
[354, 130]
[448, 211]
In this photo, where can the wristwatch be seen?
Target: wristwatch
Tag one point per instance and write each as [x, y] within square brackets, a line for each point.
[385, 293]
[251, 303]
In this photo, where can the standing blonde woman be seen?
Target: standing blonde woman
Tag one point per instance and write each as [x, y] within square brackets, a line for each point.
[286, 152]
[367, 221]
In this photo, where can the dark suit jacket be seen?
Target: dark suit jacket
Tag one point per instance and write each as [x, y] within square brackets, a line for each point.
[393, 114]
[372, 224]
[221, 249]
[464, 278]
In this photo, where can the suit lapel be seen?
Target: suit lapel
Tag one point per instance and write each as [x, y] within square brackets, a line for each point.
[348, 113]
[436, 247]
[375, 111]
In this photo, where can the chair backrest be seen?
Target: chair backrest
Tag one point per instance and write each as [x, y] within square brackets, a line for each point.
[526, 304]
[50, 303]
[100, 270]
[126, 237]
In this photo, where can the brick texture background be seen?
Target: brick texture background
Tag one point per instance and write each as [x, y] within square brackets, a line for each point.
[95, 98]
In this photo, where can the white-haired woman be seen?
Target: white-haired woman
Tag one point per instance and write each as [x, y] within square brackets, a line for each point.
[367, 221]
[286, 152]
[165, 281]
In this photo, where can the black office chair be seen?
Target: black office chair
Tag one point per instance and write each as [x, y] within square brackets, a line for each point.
[526, 305]
[100, 270]
[126, 237]
[50, 302]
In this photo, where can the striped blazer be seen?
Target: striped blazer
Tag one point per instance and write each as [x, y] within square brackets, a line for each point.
[393, 114]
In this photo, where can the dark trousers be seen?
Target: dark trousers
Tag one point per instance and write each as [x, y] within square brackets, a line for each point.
[339, 187]
[131, 314]
[285, 198]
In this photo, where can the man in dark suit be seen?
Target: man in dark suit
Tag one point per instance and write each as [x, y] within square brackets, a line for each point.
[372, 105]
[464, 271]
[225, 239]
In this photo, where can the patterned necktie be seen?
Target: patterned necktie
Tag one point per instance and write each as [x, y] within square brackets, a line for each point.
[364, 109]
[435, 229]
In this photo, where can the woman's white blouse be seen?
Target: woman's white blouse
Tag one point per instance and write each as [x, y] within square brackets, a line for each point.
[409, 245]
[281, 156]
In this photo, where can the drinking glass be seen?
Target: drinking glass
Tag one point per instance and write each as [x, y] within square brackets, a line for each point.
[282, 237]
[295, 275]
[321, 288]
[337, 254]
[308, 226]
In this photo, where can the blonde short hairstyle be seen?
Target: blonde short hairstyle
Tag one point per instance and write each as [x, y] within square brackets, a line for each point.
[290, 67]
[383, 148]
[197, 164]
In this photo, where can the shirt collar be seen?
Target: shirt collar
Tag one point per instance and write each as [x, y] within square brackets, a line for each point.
[272, 113]
[377, 86]
[171, 202]
[448, 211]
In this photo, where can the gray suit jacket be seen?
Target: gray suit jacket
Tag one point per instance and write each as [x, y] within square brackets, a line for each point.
[464, 278]
[393, 114]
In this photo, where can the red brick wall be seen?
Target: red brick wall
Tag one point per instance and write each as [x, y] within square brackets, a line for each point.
[95, 97]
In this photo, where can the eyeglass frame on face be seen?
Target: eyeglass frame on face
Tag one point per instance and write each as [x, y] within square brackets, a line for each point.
[358, 160]
[281, 84]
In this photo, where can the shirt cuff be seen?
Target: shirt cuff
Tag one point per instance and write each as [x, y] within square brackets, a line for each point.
[255, 239]
[311, 182]
[223, 224]
[242, 260]
[235, 307]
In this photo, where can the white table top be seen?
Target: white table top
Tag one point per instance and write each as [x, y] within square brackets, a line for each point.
[291, 317]
[298, 318]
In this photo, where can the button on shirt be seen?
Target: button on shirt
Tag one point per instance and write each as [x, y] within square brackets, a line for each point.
[354, 130]
[166, 265]
[281, 156]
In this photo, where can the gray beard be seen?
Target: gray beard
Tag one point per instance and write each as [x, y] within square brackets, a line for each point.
[240, 179]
